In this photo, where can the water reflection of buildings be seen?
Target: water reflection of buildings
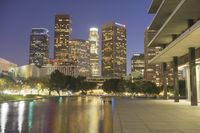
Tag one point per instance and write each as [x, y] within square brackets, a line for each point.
[21, 108]
[12, 117]
[73, 115]
[30, 115]
[94, 114]
[83, 114]
[4, 115]
[107, 123]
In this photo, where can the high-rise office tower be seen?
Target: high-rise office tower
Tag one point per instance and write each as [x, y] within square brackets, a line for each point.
[61, 40]
[39, 47]
[137, 67]
[153, 72]
[137, 63]
[80, 56]
[113, 50]
[94, 52]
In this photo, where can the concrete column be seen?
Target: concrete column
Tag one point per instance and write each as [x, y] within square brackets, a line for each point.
[175, 73]
[164, 81]
[192, 67]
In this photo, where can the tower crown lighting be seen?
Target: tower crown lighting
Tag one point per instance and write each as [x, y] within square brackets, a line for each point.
[93, 29]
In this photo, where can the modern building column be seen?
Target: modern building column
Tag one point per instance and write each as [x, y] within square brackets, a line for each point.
[192, 67]
[175, 73]
[164, 80]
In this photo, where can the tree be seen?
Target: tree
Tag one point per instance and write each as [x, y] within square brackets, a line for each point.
[37, 83]
[109, 85]
[43, 84]
[149, 88]
[134, 88]
[32, 82]
[7, 83]
[80, 82]
[50, 86]
[114, 85]
[88, 86]
[70, 83]
[146, 87]
[92, 85]
[57, 81]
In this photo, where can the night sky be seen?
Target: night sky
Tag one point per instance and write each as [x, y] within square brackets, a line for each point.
[18, 17]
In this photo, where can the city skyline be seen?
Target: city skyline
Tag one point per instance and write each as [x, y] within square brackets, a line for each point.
[44, 17]
[100, 66]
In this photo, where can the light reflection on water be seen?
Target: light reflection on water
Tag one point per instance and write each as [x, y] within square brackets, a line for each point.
[4, 113]
[58, 115]
[21, 108]
[30, 115]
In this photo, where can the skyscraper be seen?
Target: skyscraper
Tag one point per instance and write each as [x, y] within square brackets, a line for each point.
[113, 50]
[137, 63]
[61, 40]
[80, 56]
[153, 72]
[137, 67]
[39, 47]
[94, 52]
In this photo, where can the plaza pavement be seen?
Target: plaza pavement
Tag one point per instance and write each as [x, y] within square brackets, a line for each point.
[155, 116]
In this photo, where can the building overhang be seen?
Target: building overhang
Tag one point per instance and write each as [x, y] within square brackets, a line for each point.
[163, 12]
[155, 4]
[180, 46]
[177, 22]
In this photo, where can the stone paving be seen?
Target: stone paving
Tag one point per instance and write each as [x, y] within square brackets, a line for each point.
[155, 116]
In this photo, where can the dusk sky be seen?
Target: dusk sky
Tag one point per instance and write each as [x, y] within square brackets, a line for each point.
[18, 17]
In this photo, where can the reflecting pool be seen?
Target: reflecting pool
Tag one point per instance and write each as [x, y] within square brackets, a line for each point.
[58, 115]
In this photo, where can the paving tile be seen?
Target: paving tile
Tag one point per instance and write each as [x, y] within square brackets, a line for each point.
[155, 116]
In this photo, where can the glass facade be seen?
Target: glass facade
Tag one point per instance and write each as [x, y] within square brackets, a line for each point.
[80, 56]
[94, 52]
[61, 39]
[39, 47]
[137, 63]
[153, 72]
[113, 50]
